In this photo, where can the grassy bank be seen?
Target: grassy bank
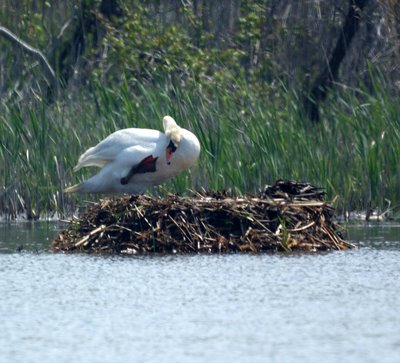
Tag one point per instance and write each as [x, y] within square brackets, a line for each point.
[247, 140]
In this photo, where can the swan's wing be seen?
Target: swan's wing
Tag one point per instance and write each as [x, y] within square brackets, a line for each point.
[112, 146]
[146, 165]
[131, 161]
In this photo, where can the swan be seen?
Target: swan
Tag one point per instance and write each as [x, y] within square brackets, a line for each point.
[131, 160]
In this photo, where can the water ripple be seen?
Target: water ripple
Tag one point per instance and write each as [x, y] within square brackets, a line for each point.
[341, 306]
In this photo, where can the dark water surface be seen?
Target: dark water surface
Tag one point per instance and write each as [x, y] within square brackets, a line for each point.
[334, 307]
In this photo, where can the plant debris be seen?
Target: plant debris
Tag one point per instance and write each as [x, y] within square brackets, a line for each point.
[285, 217]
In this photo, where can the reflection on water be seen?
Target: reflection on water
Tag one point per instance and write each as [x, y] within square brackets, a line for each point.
[376, 235]
[333, 307]
[28, 236]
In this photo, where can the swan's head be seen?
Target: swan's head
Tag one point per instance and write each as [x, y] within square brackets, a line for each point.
[174, 135]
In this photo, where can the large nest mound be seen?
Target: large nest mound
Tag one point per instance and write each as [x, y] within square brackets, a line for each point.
[287, 216]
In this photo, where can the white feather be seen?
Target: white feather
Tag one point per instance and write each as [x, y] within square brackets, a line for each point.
[108, 149]
[125, 149]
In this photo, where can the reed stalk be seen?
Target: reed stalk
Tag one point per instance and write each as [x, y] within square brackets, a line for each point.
[248, 138]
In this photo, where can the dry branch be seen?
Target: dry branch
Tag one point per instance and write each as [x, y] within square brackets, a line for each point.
[35, 53]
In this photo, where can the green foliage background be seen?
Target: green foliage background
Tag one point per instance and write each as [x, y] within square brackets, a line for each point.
[131, 70]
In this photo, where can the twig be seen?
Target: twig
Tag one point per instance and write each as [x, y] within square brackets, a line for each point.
[92, 233]
[302, 228]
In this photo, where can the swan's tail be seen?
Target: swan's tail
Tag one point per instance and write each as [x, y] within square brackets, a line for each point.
[92, 157]
[77, 188]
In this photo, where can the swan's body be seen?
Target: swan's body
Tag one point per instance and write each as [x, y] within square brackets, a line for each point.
[134, 159]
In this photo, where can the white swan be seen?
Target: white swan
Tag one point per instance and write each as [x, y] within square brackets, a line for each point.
[134, 159]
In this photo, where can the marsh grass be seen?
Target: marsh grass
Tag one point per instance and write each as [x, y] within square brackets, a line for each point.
[248, 139]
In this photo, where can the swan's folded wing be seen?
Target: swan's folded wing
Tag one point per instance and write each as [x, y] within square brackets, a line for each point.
[111, 147]
[96, 156]
[135, 158]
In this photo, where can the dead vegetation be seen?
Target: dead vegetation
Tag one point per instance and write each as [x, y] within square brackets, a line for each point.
[287, 216]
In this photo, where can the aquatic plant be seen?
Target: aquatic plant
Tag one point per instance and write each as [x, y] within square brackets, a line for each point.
[248, 138]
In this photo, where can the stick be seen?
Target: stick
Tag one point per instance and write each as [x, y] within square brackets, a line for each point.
[92, 233]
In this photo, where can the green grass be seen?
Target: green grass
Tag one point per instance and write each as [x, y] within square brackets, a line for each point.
[247, 141]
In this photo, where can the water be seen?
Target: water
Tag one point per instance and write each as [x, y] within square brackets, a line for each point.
[333, 307]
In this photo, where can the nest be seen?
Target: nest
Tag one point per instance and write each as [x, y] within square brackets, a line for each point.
[285, 217]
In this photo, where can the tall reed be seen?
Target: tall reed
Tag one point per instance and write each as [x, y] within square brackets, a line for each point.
[248, 139]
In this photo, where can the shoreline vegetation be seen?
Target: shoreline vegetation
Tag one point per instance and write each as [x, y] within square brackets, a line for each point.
[238, 79]
[247, 141]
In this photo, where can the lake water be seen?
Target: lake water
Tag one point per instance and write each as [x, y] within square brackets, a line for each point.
[332, 307]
